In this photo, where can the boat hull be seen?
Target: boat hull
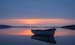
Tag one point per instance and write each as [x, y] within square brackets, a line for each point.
[49, 32]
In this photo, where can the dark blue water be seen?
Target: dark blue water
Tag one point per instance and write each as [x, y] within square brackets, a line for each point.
[21, 36]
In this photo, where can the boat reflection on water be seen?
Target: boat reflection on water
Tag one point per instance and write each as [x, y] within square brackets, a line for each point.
[48, 39]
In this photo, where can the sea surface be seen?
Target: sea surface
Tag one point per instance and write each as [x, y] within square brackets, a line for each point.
[24, 36]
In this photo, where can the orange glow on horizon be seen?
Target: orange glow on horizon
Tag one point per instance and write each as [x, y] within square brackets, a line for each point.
[36, 21]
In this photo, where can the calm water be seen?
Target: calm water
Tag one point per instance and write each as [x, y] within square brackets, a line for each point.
[23, 36]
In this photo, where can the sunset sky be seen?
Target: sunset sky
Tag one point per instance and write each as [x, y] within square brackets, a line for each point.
[32, 12]
[37, 15]
[37, 9]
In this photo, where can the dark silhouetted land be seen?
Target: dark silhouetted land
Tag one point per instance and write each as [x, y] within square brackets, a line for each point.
[69, 27]
[4, 26]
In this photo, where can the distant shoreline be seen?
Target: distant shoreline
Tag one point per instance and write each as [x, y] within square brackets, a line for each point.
[8, 26]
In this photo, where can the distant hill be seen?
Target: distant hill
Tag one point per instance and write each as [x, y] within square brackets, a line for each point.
[69, 27]
[4, 26]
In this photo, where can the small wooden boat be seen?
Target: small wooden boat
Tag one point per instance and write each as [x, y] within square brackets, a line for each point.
[46, 32]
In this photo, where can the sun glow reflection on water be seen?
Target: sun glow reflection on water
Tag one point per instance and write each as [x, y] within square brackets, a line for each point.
[27, 32]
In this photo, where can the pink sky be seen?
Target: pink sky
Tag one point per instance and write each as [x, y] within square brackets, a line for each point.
[57, 21]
